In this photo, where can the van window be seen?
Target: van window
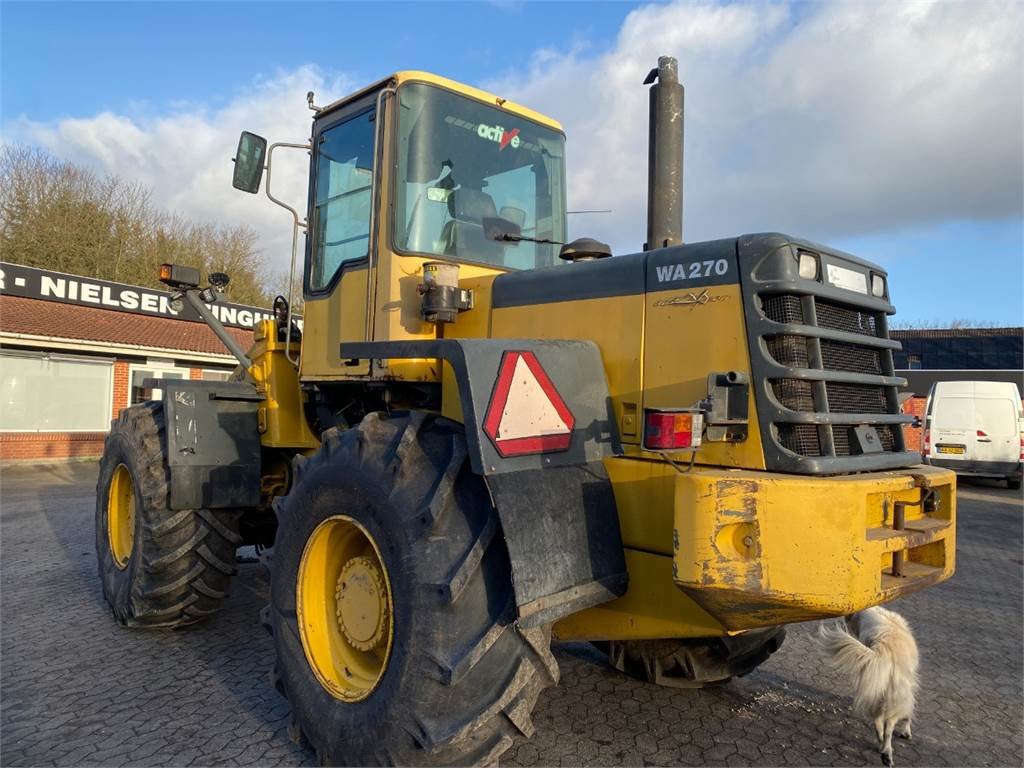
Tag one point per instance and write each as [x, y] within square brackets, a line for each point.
[954, 413]
[996, 417]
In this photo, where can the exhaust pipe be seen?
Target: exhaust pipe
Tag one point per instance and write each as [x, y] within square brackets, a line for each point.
[665, 157]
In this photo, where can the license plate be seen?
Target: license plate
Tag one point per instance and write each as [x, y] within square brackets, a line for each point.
[957, 449]
[851, 280]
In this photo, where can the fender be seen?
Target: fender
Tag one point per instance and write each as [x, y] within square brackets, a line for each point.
[213, 443]
[553, 497]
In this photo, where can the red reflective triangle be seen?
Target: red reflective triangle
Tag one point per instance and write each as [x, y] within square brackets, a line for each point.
[526, 415]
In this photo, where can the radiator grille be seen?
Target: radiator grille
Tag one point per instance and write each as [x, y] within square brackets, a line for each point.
[838, 356]
[783, 309]
[790, 351]
[855, 398]
[795, 394]
[844, 439]
[840, 318]
[800, 438]
[807, 353]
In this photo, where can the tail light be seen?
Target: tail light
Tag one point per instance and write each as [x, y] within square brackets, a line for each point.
[1022, 447]
[981, 433]
[672, 430]
[927, 441]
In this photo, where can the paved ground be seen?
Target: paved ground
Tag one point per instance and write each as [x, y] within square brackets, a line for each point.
[76, 689]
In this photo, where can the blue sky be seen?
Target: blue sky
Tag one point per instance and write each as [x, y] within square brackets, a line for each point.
[101, 56]
[908, 156]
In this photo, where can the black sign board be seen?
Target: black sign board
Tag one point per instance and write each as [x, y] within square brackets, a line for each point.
[32, 283]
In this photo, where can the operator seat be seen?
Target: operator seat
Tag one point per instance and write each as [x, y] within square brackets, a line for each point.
[464, 234]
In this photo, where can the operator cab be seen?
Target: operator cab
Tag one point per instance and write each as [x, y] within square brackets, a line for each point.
[472, 181]
[411, 170]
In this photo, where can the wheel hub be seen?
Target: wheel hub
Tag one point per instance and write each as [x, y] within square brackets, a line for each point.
[121, 516]
[362, 603]
[344, 608]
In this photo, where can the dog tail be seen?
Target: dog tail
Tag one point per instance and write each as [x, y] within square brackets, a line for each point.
[870, 670]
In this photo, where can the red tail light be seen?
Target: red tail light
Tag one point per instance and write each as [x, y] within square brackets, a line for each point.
[669, 430]
[927, 442]
[981, 433]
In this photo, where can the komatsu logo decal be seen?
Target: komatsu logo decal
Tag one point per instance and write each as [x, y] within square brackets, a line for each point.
[499, 135]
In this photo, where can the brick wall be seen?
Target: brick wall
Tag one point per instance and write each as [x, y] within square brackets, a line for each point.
[195, 373]
[122, 388]
[911, 434]
[50, 446]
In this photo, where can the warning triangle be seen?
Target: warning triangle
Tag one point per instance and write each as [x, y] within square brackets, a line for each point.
[528, 411]
[526, 414]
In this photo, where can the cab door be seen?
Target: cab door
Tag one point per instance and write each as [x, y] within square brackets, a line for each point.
[343, 167]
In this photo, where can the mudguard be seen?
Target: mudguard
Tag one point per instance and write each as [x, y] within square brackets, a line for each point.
[213, 443]
[553, 496]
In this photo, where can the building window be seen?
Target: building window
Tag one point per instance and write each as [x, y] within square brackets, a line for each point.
[54, 393]
[914, 362]
[139, 392]
[210, 374]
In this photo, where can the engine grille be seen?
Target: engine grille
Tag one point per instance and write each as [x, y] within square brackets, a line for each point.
[828, 381]
[840, 318]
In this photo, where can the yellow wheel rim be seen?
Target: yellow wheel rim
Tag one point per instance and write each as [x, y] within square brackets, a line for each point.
[121, 516]
[344, 607]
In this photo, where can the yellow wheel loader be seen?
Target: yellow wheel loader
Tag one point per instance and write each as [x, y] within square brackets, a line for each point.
[482, 436]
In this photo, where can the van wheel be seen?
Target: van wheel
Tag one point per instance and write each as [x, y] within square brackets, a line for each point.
[391, 603]
[1013, 483]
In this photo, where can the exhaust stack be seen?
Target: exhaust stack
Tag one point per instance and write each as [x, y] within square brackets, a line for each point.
[665, 157]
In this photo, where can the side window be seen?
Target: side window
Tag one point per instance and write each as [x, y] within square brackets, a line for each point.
[341, 216]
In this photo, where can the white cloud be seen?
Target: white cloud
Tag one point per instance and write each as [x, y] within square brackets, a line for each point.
[826, 120]
[185, 157]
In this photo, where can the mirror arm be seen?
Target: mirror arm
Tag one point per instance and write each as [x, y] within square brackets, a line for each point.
[192, 296]
[296, 223]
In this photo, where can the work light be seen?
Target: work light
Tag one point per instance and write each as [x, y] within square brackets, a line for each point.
[877, 285]
[808, 265]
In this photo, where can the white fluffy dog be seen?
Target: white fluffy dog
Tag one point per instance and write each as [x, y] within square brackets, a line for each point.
[876, 649]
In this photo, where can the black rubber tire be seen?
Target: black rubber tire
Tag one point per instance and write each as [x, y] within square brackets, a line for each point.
[1013, 483]
[693, 663]
[182, 560]
[462, 678]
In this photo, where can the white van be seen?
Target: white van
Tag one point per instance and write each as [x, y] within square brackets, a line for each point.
[976, 428]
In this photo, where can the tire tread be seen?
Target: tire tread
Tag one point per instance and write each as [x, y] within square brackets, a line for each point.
[185, 557]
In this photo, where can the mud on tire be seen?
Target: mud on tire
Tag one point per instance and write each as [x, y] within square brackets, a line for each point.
[462, 678]
[693, 663]
[181, 561]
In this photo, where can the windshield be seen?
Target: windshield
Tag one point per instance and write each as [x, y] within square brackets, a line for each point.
[476, 183]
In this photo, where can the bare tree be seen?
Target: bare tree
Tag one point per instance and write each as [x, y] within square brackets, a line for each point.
[58, 215]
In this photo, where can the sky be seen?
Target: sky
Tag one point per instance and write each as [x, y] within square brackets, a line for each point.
[893, 130]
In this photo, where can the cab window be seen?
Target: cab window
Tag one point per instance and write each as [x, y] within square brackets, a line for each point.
[476, 182]
[341, 215]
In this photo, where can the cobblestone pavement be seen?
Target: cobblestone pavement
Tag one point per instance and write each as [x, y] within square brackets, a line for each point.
[76, 689]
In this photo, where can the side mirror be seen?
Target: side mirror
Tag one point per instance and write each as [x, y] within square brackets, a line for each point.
[249, 161]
